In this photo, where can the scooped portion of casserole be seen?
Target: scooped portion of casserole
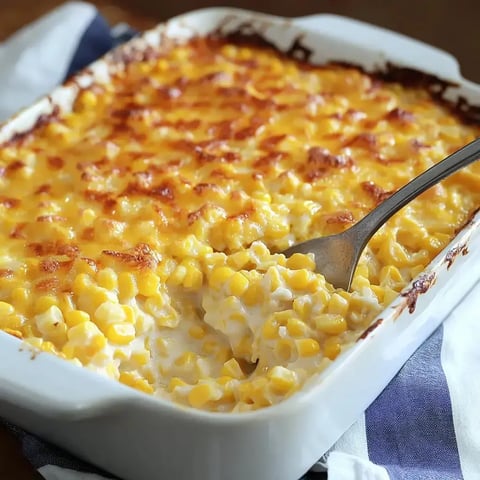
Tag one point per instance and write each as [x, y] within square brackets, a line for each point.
[139, 232]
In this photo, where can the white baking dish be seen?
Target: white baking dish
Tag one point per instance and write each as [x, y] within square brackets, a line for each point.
[138, 437]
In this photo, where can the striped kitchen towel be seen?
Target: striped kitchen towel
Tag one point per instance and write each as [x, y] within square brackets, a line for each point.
[424, 426]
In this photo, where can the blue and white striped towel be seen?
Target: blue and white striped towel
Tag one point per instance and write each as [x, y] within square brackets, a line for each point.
[424, 426]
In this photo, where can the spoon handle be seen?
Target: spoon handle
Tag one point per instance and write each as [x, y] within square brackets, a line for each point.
[366, 227]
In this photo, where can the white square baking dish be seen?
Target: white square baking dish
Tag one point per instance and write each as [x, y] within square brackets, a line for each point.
[138, 437]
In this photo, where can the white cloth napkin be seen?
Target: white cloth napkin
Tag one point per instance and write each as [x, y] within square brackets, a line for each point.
[424, 425]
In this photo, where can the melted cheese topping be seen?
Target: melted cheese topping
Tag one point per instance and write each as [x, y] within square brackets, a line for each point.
[138, 232]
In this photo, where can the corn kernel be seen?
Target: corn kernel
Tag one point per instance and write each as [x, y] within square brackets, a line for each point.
[133, 380]
[57, 129]
[87, 99]
[129, 312]
[389, 295]
[145, 68]
[190, 246]
[296, 328]
[174, 383]
[232, 368]
[180, 54]
[21, 298]
[337, 305]
[83, 332]
[222, 355]
[331, 348]
[302, 306]
[276, 229]
[299, 261]
[90, 300]
[170, 319]
[255, 392]
[28, 331]
[362, 270]
[44, 303]
[306, 347]
[203, 393]
[193, 278]
[97, 344]
[88, 216]
[220, 276]
[244, 347]
[65, 302]
[108, 313]
[270, 329]
[197, 332]
[68, 351]
[283, 316]
[276, 280]
[121, 355]
[260, 251]
[224, 380]
[284, 349]
[148, 283]
[391, 277]
[379, 292]
[86, 268]
[6, 309]
[299, 279]
[229, 51]
[245, 53]
[49, 347]
[317, 282]
[178, 276]
[148, 375]
[282, 379]
[359, 283]
[416, 270]
[163, 65]
[186, 359]
[209, 347]
[51, 324]
[216, 259]
[107, 278]
[112, 371]
[330, 323]
[320, 299]
[140, 358]
[75, 317]
[127, 285]
[237, 284]
[155, 305]
[13, 322]
[162, 345]
[253, 295]
[239, 259]
[120, 333]
[81, 283]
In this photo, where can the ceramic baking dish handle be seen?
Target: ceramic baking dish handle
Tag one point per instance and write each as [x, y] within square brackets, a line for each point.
[41, 382]
[402, 50]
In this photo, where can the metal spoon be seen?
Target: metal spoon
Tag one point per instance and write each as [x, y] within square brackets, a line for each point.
[336, 256]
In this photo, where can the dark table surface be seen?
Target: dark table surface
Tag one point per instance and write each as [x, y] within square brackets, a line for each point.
[452, 26]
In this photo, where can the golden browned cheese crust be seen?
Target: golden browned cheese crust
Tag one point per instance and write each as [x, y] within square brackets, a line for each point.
[139, 232]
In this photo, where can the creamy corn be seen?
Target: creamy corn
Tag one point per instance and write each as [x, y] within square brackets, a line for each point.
[139, 232]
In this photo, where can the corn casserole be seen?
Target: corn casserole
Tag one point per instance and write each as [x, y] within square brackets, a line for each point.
[140, 232]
